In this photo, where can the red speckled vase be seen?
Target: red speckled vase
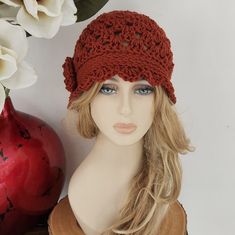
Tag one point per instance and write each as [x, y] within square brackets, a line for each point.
[32, 170]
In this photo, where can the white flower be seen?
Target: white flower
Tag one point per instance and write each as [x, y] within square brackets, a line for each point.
[15, 73]
[41, 19]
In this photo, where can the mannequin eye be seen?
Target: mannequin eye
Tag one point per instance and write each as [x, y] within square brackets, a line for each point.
[107, 89]
[140, 90]
[144, 90]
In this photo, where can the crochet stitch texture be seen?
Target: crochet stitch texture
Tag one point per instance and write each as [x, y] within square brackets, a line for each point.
[126, 43]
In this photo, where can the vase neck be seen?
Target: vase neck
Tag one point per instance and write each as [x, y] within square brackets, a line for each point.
[8, 108]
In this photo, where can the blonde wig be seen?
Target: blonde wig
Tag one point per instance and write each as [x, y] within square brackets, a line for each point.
[158, 182]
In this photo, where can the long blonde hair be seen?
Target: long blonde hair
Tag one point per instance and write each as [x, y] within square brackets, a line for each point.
[158, 182]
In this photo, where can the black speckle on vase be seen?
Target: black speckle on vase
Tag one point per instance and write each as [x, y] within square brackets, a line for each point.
[2, 156]
[24, 133]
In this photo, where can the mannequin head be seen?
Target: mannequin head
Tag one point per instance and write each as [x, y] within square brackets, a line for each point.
[116, 100]
[129, 47]
[120, 101]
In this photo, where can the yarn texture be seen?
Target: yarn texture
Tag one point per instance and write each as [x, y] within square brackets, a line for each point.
[126, 43]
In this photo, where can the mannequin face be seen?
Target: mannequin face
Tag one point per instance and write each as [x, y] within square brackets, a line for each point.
[120, 101]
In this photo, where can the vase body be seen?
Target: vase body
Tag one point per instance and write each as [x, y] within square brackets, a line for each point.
[32, 170]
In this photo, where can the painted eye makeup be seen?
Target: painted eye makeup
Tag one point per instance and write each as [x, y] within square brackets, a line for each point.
[144, 90]
[108, 89]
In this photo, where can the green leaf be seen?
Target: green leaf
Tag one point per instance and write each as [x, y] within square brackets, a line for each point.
[88, 8]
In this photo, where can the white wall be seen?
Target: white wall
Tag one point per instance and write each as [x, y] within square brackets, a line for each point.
[202, 35]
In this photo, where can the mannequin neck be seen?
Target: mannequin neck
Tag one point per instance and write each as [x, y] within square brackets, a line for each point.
[104, 177]
[127, 158]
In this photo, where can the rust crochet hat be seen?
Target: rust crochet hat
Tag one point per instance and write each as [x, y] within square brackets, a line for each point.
[126, 43]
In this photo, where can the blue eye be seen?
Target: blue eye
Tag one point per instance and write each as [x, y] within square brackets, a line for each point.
[142, 90]
[107, 90]
[145, 90]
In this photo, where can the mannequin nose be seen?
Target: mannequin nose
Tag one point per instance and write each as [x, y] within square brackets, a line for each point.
[125, 105]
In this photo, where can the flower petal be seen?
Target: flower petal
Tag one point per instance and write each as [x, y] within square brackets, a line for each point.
[8, 12]
[69, 10]
[31, 7]
[5, 50]
[45, 27]
[14, 38]
[7, 65]
[25, 76]
[50, 7]
[13, 3]
[2, 97]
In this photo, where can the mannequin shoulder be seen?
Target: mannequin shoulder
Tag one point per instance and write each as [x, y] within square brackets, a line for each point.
[175, 221]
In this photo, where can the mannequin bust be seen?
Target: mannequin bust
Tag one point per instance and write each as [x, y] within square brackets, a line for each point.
[130, 180]
[116, 156]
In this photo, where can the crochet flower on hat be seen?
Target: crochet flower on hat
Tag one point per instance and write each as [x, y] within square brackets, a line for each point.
[69, 73]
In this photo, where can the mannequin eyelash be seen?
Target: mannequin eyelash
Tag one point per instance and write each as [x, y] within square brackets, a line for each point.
[150, 89]
[106, 86]
[111, 87]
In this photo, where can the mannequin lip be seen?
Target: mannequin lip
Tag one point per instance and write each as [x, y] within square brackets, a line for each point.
[124, 128]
